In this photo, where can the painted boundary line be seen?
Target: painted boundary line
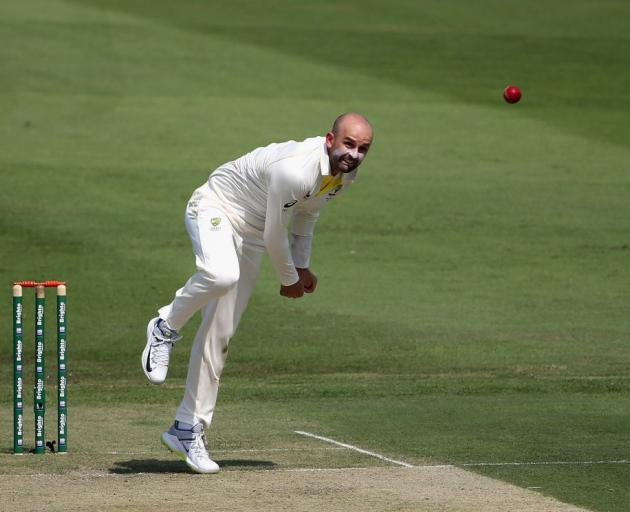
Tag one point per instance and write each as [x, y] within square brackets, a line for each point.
[355, 448]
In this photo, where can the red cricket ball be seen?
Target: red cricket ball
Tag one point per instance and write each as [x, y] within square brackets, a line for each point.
[512, 94]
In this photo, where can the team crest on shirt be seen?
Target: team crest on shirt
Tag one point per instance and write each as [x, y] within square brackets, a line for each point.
[215, 221]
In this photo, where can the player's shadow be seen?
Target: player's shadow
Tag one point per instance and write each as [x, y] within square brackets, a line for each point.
[126, 467]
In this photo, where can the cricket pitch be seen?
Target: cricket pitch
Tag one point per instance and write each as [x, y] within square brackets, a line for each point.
[438, 488]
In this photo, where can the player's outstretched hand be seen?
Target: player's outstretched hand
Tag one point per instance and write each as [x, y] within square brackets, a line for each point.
[293, 291]
[308, 279]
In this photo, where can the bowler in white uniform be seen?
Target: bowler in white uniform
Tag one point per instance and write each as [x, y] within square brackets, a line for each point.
[245, 207]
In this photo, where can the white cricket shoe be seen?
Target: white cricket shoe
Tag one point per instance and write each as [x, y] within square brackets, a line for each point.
[157, 352]
[189, 444]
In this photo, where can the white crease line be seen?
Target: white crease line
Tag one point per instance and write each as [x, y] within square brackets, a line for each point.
[360, 468]
[343, 446]
[546, 463]
[355, 448]
[264, 450]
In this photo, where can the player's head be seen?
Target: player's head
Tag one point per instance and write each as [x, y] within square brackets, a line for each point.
[348, 142]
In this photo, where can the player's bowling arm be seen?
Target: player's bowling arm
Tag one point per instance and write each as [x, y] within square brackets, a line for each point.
[284, 187]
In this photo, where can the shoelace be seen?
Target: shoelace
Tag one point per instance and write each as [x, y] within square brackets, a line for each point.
[198, 446]
[160, 352]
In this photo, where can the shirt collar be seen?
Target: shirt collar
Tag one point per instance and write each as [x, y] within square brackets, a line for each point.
[324, 163]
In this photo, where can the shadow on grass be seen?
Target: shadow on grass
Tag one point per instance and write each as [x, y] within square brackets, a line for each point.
[177, 466]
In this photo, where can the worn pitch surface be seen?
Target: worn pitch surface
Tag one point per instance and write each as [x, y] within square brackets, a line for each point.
[437, 488]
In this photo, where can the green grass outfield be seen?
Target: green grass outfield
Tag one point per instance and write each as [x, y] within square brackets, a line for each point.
[473, 304]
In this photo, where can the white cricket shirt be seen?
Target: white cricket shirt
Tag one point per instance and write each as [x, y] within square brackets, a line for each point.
[262, 191]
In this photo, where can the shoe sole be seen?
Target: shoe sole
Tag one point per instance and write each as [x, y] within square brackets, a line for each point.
[182, 455]
[145, 353]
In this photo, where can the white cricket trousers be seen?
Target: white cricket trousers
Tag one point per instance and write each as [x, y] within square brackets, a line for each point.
[227, 269]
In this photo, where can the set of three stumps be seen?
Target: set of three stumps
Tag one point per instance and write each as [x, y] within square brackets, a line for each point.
[39, 387]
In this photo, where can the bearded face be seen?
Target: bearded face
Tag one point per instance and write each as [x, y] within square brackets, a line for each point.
[348, 147]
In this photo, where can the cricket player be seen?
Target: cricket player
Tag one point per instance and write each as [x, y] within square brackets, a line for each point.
[269, 199]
